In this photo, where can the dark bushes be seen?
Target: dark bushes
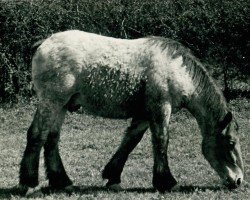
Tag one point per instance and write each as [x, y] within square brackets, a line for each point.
[216, 31]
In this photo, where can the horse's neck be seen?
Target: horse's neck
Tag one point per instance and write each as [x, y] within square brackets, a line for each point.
[209, 107]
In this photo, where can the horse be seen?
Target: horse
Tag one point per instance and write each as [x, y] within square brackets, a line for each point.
[146, 79]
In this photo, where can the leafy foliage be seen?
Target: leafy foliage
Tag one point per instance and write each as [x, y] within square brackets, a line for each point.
[216, 31]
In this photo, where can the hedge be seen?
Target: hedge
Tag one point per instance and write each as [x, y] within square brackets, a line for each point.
[216, 31]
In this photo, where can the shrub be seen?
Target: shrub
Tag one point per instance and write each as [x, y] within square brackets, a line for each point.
[216, 31]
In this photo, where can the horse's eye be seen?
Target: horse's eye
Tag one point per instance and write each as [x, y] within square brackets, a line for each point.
[231, 144]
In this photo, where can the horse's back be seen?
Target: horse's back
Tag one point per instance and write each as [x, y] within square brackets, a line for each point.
[82, 48]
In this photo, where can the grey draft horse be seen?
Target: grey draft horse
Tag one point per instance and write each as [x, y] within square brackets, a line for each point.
[144, 79]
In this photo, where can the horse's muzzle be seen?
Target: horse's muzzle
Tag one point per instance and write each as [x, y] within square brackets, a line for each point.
[233, 184]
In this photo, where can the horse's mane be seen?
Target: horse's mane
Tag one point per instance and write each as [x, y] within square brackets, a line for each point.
[206, 88]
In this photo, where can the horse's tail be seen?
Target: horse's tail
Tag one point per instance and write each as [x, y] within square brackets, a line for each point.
[33, 51]
[36, 45]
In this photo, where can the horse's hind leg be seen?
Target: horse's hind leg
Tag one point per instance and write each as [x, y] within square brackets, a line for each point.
[54, 167]
[36, 138]
[132, 137]
[30, 160]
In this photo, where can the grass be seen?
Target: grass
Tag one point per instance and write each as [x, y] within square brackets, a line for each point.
[87, 143]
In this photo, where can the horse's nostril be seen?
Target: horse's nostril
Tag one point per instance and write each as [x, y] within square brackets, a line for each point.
[238, 181]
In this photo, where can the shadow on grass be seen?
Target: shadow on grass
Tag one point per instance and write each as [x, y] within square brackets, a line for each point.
[93, 189]
[8, 192]
[193, 188]
[83, 190]
[181, 189]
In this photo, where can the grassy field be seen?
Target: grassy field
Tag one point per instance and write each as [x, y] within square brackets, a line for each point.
[87, 143]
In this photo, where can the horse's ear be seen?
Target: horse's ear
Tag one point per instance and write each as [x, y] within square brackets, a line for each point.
[227, 119]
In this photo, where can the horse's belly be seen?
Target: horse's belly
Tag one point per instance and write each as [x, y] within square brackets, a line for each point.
[110, 110]
[107, 106]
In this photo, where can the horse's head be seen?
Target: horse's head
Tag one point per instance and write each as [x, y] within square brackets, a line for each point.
[222, 150]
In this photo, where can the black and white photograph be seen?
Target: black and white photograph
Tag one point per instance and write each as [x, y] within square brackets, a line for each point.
[124, 99]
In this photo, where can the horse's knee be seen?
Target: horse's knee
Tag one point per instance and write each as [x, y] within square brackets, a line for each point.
[52, 140]
[35, 141]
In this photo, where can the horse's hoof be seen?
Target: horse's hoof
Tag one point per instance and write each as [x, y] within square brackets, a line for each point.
[115, 187]
[69, 189]
[21, 190]
[175, 188]
[163, 182]
[34, 193]
[165, 186]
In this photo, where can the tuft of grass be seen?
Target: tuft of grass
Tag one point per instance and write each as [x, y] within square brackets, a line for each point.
[87, 143]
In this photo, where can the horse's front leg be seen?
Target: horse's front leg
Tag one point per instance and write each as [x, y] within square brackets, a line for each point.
[36, 138]
[132, 137]
[162, 177]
